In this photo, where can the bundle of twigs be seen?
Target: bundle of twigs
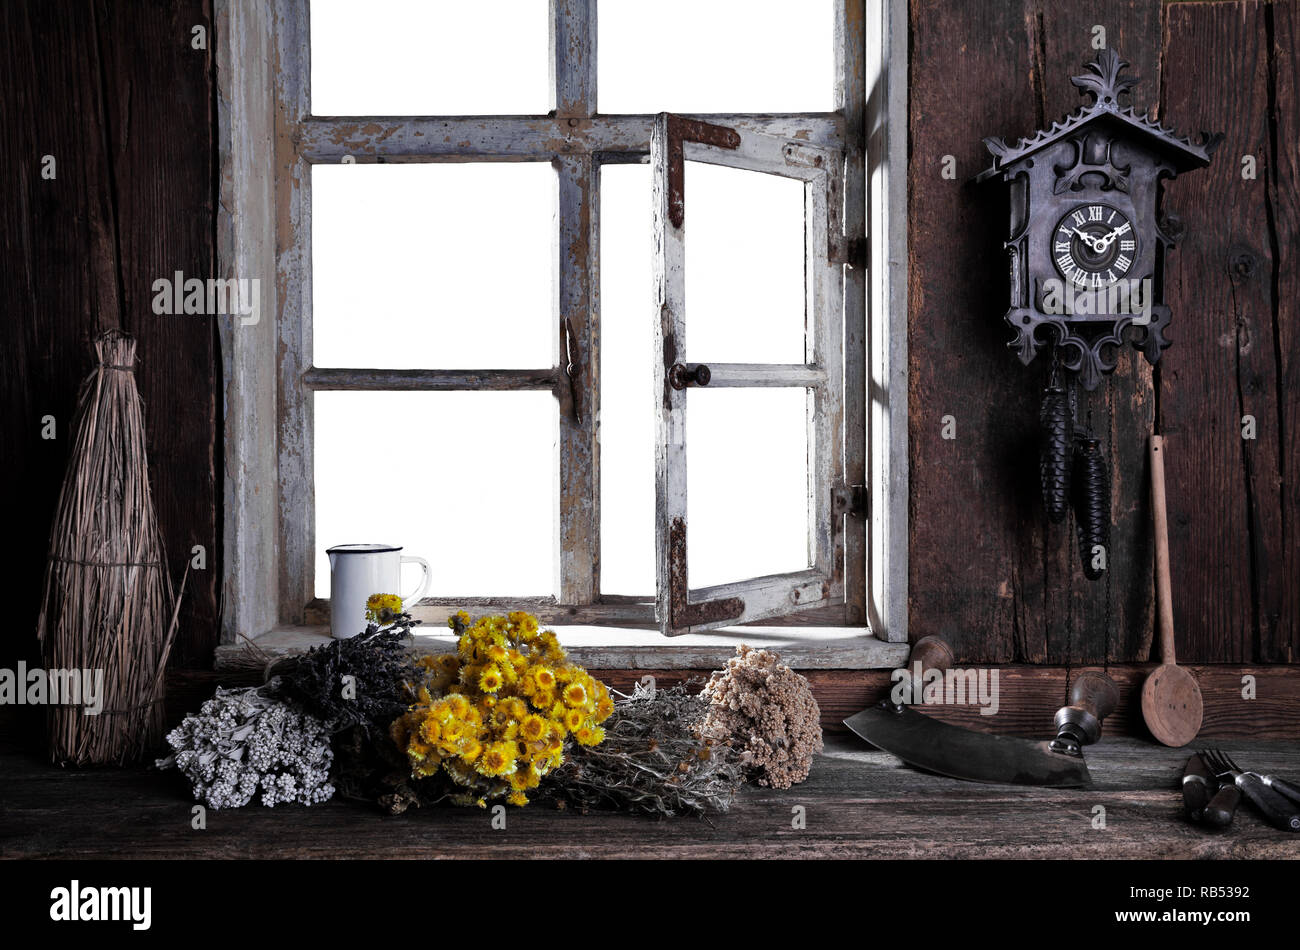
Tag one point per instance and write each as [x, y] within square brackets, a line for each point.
[108, 601]
[656, 759]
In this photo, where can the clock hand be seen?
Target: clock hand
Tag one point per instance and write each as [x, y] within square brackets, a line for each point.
[1106, 241]
[1089, 240]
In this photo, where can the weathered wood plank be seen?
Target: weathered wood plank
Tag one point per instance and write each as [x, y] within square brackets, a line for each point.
[1222, 364]
[851, 97]
[336, 378]
[1111, 618]
[295, 406]
[81, 251]
[859, 802]
[576, 335]
[750, 375]
[888, 344]
[245, 245]
[975, 514]
[573, 57]
[1279, 610]
[526, 138]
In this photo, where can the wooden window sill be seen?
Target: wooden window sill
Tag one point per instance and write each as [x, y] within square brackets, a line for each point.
[617, 648]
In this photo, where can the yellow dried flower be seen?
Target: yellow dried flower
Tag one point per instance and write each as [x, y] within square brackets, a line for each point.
[494, 715]
[490, 681]
[533, 728]
[498, 758]
[383, 608]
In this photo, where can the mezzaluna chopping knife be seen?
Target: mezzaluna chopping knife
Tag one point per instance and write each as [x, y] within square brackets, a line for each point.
[935, 746]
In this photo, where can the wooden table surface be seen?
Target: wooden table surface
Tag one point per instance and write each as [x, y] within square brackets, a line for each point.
[858, 803]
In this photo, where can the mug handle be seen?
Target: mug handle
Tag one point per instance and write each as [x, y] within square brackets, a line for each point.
[410, 599]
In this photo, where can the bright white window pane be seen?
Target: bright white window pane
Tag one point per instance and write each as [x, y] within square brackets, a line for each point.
[748, 459]
[627, 404]
[744, 266]
[465, 480]
[716, 56]
[416, 57]
[442, 266]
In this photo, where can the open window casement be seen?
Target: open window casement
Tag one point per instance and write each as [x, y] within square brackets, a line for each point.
[680, 608]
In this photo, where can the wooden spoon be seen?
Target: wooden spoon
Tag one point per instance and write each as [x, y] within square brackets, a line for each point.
[1171, 700]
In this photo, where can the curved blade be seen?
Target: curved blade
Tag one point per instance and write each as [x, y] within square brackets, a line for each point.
[961, 753]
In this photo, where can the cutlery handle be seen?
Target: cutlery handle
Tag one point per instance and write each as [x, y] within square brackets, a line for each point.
[1197, 788]
[1222, 807]
[1283, 786]
[1277, 809]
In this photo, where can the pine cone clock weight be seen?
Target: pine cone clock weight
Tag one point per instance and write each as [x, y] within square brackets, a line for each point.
[1054, 451]
[1090, 491]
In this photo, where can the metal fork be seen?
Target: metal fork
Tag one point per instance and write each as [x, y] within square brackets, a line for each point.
[1279, 810]
[1272, 781]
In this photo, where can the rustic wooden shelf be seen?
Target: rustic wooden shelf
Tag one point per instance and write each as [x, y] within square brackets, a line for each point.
[859, 803]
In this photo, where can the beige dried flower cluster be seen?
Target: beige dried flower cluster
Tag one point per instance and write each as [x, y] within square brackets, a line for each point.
[768, 710]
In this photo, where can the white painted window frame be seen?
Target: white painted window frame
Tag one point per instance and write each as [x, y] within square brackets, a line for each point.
[267, 141]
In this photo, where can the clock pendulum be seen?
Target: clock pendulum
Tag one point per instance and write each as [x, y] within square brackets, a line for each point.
[1086, 261]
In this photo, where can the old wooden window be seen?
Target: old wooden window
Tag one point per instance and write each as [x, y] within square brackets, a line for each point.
[505, 194]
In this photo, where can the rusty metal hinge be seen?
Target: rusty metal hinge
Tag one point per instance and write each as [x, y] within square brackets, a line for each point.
[852, 500]
[856, 252]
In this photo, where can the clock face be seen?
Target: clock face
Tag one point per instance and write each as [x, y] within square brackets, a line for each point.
[1094, 245]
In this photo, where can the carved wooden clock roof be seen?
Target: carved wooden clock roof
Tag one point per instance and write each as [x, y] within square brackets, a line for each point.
[1104, 84]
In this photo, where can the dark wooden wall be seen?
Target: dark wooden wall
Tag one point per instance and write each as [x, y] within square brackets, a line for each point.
[117, 95]
[986, 569]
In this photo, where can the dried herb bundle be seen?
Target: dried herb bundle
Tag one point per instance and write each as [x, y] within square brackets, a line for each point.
[108, 601]
[655, 760]
[379, 669]
[244, 744]
[767, 709]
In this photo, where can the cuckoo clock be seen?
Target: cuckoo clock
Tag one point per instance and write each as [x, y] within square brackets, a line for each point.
[1086, 247]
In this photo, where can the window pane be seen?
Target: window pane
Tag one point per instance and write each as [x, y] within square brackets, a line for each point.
[744, 266]
[412, 57]
[748, 459]
[464, 480]
[444, 266]
[627, 403]
[716, 56]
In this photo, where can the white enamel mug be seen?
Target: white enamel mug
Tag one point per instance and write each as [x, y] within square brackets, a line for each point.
[359, 570]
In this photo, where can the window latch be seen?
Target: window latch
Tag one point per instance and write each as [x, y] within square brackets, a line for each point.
[697, 374]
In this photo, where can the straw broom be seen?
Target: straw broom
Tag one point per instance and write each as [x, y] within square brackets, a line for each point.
[108, 601]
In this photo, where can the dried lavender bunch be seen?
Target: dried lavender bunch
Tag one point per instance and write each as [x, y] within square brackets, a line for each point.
[243, 742]
[655, 760]
[378, 663]
[766, 709]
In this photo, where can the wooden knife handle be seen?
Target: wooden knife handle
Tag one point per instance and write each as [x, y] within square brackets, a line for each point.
[1221, 809]
[1199, 786]
[1093, 697]
[1094, 693]
[932, 652]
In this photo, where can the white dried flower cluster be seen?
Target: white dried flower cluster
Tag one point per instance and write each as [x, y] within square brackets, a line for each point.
[768, 710]
[242, 743]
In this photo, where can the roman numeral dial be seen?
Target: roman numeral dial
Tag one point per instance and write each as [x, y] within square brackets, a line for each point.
[1094, 244]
